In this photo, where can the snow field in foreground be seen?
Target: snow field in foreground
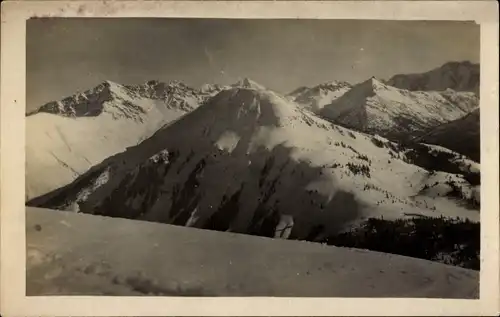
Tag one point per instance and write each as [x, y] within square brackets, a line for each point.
[76, 254]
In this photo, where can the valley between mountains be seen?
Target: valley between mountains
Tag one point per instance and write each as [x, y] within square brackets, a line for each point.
[386, 165]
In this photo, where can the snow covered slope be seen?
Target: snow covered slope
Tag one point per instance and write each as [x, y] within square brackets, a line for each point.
[319, 96]
[461, 135]
[76, 254]
[459, 76]
[375, 107]
[65, 138]
[250, 161]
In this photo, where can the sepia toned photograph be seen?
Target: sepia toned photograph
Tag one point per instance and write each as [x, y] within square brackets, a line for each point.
[256, 157]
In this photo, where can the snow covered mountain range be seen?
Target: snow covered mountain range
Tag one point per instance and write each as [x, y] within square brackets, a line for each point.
[65, 138]
[375, 107]
[401, 108]
[250, 160]
[319, 96]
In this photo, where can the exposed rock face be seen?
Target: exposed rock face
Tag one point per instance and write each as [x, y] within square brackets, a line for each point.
[461, 135]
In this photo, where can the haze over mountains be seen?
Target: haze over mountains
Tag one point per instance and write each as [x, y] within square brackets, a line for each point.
[246, 159]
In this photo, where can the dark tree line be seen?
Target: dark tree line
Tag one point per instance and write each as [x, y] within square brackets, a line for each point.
[446, 240]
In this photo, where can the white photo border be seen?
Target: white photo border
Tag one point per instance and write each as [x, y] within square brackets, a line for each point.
[12, 153]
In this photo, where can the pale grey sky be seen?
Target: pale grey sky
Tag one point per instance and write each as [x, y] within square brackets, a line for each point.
[65, 55]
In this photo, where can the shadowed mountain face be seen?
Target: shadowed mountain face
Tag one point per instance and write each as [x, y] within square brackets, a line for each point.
[461, 135]
[459, 76]
[248, 160]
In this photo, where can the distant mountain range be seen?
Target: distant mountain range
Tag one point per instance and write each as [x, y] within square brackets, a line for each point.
[459, 76]
[404, 107]
[399, 114]
[245, 159]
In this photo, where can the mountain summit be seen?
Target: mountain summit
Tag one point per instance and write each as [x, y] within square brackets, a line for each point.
[461, 135]
[317, 97]
[248, 83]
[111, 97]
[67, 137]
[376, 107]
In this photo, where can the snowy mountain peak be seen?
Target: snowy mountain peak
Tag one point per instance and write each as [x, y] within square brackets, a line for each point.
[211, 88]
[178, 83]
[317, 97]
[66, 137]
[88, 103]
[249, 107]
[334, 84]
[153, 82]
[104, 85]
[375, 83]
[108, 83]
[174, 94]
[368, 88]
[248, 83]
[158, 89]
[375, 107]
[108, 87]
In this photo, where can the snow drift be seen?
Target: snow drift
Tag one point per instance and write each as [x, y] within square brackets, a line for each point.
[76, 254]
